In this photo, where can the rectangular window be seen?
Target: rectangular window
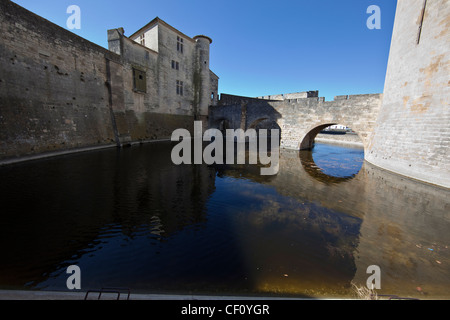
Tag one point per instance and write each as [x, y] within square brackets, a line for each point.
[180, 44]
[179, 87]
[175, 65]
[142, 40]
[139, 80]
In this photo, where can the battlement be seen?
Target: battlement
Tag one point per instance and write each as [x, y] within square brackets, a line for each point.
[289, 96]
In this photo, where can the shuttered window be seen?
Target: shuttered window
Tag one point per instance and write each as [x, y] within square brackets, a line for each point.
[139, 80]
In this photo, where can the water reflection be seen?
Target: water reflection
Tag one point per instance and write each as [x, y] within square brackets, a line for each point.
[328, 164]
[131, 218]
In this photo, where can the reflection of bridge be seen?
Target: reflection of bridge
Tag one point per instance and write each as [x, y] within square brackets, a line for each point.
[299, 120]
[393, 225]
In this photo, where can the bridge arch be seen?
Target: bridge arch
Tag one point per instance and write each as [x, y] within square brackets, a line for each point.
[221, 123]
[329, 164]
[256, 122]
[224, 124]
[300, 120]
[307, 140]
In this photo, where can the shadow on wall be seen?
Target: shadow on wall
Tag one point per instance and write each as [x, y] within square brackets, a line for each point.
[236, 112]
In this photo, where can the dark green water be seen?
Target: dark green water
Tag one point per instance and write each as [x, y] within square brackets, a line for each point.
[130, 218]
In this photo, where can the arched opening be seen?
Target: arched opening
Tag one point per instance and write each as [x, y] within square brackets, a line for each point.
[257, 123]
[224, 124]
[265, 123]
[308, 141]
[332, 152]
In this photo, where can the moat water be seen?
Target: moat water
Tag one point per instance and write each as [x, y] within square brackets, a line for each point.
[130, 218]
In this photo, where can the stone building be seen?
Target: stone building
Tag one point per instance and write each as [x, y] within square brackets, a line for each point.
[174, 77]
[61, 93]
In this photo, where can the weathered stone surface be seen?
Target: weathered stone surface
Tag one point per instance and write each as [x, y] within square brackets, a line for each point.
[179, 58]
[299, 120]
[52, 87]
[412, 133]
[60, 92]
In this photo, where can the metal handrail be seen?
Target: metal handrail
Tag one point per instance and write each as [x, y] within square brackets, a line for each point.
[109, 290]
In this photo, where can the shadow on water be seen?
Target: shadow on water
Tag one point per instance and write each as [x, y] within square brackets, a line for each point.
[131, 218]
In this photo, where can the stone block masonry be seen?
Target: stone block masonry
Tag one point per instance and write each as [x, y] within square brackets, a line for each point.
[52, 87]
[61, 93]
[412, 133]
[299, 120]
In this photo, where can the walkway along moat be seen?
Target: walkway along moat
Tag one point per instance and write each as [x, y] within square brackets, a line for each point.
[131, 218]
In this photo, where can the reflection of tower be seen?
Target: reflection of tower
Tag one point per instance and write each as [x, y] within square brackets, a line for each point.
[202, 81]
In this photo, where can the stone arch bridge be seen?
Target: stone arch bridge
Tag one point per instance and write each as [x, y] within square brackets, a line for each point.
[299, 119]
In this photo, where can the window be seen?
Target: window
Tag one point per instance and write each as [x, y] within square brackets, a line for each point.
[139, 80]
[180, 44]
[212, 95]
[175, 65]
[179, 87]
[142, 39]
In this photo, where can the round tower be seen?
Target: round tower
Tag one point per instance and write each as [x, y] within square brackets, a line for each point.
[202, 81]
[411, 136]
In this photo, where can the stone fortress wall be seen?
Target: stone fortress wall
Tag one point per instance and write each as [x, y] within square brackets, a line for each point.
[405, 130]
[412, 133]
[53, 92]
[62, 93]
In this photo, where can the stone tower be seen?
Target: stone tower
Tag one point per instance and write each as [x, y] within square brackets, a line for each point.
[202, 94]
[412, 134]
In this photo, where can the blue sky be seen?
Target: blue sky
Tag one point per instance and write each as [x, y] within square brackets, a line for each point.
[259, 47]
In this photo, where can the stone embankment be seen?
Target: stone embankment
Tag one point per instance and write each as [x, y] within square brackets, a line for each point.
[348, 139]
